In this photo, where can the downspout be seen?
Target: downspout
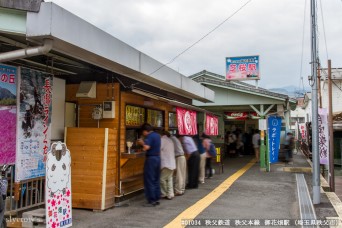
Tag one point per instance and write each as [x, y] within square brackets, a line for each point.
[27, 52]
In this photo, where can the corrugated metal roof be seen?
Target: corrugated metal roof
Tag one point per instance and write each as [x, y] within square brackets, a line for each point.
[206, 77]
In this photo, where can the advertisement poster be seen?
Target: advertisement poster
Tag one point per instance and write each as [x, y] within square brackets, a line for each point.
[155, 118]
[187, 121]
[34, 123]
[323, 136]
[211, 125]
[242, 68]
[241, 115]
[8, 114]
[302, 130]
[274, 127]
[58, 187]
[172, 120]
[135, 116]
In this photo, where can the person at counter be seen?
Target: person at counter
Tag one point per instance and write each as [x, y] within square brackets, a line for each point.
[180, 167]
[191, 151]
[168, 165]
[151, 145]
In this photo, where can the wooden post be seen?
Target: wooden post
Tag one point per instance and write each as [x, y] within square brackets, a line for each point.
[331, 133]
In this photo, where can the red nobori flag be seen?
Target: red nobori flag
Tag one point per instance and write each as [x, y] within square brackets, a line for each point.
[211, 125]
[187, 121]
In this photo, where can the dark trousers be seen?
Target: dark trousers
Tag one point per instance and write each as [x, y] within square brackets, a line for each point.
[208, 168]
[193, 170]
[152, 178]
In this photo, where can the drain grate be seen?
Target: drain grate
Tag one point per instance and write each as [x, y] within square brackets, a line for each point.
[307, 211]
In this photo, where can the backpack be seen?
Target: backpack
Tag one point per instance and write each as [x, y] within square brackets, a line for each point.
[212, 150]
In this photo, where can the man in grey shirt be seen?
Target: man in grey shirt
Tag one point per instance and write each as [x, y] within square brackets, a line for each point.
[180, 167]
[193, 156]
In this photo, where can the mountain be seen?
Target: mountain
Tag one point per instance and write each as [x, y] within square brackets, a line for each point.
[291, 91]
[6, 94]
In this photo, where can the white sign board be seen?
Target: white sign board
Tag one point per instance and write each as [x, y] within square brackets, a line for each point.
[262, 125]
[58, 187]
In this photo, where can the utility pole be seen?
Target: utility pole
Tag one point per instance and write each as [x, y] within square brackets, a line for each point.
[315, 153]
[331, 133]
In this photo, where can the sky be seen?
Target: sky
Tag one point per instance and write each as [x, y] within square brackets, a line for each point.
[272, 29]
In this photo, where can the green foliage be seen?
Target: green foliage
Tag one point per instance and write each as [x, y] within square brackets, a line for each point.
[8, 101]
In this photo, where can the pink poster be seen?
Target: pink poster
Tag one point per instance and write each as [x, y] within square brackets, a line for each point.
[187, 121]
[8, 113]
[211, 125]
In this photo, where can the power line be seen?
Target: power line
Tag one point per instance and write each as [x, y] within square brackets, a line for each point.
[207, 34]
[301, 59]
[325, 38]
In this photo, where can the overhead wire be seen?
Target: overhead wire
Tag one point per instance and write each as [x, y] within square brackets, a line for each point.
[324, 35]
[301, 82]
[203, 37]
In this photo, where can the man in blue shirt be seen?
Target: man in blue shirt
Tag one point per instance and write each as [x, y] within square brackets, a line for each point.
[151, 145]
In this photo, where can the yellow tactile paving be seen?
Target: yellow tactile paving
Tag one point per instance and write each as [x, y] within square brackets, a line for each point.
[199, 206]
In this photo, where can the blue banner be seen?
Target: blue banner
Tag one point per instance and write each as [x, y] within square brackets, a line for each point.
[242, 68]
[274, 127]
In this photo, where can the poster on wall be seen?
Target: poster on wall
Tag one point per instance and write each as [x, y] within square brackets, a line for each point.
[211, 125]
[187, 121]
[33, 123]
[323, 136]
[172, 120]
[135, 116]
[8, 113]
[58, 201]
[155, 118]
[302, 130]
[274, 127]
[242, 68]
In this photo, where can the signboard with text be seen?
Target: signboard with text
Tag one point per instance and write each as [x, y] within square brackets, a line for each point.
[187, 121]
[8, 113]
[34, 123]
[135, 116]
[274, 127]
[323, 136]
[243, 68]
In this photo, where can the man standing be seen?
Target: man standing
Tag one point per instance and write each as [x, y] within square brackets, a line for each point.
[151, 145]
[180, 167]
[256, 144]
[199, 142]
[289, 145]
[191, 151]
[168, 165]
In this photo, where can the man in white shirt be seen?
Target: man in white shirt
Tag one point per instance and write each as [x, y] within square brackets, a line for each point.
[256, 144]
[168, 165]
[180, 179]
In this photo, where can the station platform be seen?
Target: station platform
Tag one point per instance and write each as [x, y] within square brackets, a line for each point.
[241, 192]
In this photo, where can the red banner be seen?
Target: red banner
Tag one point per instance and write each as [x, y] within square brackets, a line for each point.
[187, 121]
[211, 125]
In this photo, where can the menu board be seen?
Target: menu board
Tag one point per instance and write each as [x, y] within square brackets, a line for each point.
[135, 116]
[155, 118]
[172, 120]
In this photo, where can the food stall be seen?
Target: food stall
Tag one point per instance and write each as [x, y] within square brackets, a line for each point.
[102, 167]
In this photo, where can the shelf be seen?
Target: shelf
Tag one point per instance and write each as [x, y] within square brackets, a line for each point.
[134, 155]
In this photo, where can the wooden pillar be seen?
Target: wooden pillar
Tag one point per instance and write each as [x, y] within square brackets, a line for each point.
[331, 133]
